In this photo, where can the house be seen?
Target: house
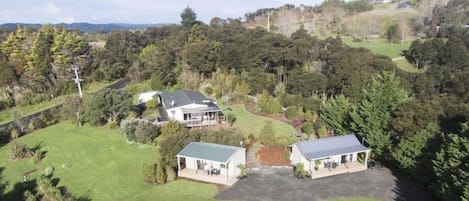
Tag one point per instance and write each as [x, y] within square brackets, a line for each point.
[191, 108]
[330, 156]
[146, 96]
[403, 5]
[210, 162]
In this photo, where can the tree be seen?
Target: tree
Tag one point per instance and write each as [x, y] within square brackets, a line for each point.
[39, 61]
[451, 167]
[173, 138]
[335, 114]
[108, 104]
[371, 116]
[158, 62]
[410, 149]
[267, 135]
[393, 33]
[188, 17]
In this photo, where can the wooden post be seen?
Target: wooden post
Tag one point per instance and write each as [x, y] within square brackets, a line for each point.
[366, 159]
[179, 166]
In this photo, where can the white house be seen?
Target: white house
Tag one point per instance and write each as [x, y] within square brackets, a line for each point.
[189, 107]
[330, 156]
[211, 162]
[146, 96]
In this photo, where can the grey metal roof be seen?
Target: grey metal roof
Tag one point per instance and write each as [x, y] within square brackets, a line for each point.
[208, 151]
[183, 97]
[331, 146]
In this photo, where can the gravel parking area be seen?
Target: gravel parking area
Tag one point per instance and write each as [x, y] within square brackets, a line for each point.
[280, 184]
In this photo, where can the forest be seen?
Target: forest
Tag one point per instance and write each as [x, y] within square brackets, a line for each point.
[416, 123]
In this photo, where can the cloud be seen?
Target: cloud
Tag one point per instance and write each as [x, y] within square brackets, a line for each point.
[51, 8]
[68, 19]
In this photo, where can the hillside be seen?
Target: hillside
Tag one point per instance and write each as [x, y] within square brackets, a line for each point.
[87, 27]
[346, 19]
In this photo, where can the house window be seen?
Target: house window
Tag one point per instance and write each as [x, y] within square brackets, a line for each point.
[222, 166]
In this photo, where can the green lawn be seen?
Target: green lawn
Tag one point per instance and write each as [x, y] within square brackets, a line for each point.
[98, 163]
[9, 114]
[249, 123]
[379, 46]
[404, 65]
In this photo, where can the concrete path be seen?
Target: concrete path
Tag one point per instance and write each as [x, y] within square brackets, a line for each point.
[280, 184]
[251, 159]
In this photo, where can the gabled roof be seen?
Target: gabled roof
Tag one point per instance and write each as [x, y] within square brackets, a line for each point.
[331, 146]
[183, 97]
[209, 151]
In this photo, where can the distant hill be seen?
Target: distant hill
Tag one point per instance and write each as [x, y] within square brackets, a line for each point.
[88, 27]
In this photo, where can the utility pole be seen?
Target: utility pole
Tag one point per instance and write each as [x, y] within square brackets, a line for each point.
[77, 80]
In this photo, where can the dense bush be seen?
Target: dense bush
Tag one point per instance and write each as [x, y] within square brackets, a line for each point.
[157, 173]
[230, 118]
[307, 128]
[292, 112]
[269, 137]
[151, 104]
[226, 136]
[20, 151]
[109, 104]
[139, 131]
[269, 104]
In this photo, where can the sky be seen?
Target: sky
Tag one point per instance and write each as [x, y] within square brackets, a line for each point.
[129, 11]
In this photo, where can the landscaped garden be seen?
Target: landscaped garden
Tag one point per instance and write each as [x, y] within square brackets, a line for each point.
[249, 123]
[97, 163]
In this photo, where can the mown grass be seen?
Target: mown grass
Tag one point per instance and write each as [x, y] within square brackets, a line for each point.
[404, 65]
[249, 123]
[24, 110]
[379, 46]
[98, 163]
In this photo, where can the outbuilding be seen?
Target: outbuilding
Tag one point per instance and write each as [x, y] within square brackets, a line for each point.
[211, 162]
[330, 156]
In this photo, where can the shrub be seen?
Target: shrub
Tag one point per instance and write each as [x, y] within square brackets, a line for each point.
[38, 156]
[269, 104]
[208, 90]
[149, 173]
[322, 132]
[36, 123]
[267, 134]
[300, 172]
[230, 118]
[139, 131]
[20, 151]
[291, 112]
[151, 104]
[226, 136]
[170, 174]
[311, 117]
[307, 128]
[160, 173]
[243, 170]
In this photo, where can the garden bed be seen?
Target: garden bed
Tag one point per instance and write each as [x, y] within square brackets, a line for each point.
[278, 156]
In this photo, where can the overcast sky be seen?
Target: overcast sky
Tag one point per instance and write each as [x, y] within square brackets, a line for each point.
[129, 11]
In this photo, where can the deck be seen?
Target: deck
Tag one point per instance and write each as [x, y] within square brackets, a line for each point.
[203, 176]
[340, 169]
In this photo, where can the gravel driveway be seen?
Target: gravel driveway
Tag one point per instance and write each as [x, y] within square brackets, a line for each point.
[280, 184]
